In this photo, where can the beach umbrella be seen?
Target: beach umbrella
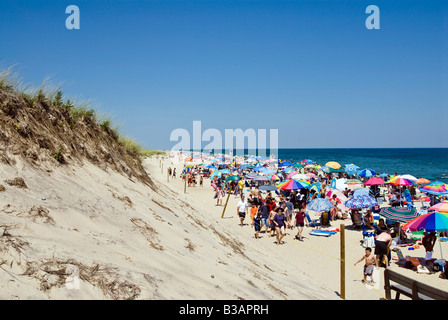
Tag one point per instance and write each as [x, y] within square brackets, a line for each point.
[261, 178]
[367, 173]
[298, 165]
[309, 166]
[422, 181]
[300, 176]
[440, 207]
[383, 175]
[310, 174]
[350, 169]
[274, 177]
[225, 171]
[293, 185]
[353, 184]
[430, 222]
[374, 181]
[285, 164]
[399, 181]
[251, 176]
[320, 205]
[400, 214]
[361, 202]
[435, 188]
[409, 177]
[233, 178]
[267, 188]
[308, 161]
[361, 192]
[333, 165]
[291, 174]
[268, 171]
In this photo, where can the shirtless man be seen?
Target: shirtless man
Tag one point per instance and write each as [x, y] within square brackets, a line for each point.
[257, 196]
[368, 266]
[382, 244]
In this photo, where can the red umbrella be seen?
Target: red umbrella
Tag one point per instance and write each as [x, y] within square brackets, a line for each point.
[374, 181]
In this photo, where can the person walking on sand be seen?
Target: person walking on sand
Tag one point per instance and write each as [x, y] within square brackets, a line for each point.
[300, 222]
[242, 210]
[279, 222]
[257, 224]
[264, 211]
[272, 214]
[368, 265]
[219, 195]
[382, 244]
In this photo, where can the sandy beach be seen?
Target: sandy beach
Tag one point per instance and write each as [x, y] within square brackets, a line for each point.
[82, 232]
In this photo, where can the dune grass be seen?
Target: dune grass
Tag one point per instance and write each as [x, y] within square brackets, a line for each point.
[150, 153]
[78, 109]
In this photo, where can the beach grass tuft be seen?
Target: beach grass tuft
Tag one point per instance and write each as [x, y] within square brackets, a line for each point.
[79, 110]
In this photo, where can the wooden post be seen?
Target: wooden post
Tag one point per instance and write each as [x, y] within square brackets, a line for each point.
[342, 230]
[167, 175]
[185, 185]
[227, 200]
[161, 171]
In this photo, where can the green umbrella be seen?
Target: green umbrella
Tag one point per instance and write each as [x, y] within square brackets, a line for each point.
[233, 178]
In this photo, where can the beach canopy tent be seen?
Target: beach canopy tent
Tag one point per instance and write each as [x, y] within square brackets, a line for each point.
[400, 214]
[361, 202]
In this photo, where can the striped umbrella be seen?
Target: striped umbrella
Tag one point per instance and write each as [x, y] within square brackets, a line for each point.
[440, 207]
[436, 188]
[430, 222]
[361, 202]
[399, 181]
[292, 184]
[400, 214]
[367, 173]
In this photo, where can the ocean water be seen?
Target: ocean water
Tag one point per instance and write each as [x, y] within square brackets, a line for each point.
[431, 163]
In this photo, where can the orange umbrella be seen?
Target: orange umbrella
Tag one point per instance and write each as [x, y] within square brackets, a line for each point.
[422, 181]
[333, 165]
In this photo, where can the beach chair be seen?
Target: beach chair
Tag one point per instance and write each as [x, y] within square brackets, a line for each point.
[312, 223]
[401, 259]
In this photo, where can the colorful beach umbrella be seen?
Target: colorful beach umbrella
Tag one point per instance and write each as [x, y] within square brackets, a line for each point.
[374, 181]
[436, 188]
[361, 202]
[399, 181]
[422, 181]
[440, 207]
[430, 222]
[320, 205]
[274, 177]
[400, 214]
[300, 176]
[293, 185]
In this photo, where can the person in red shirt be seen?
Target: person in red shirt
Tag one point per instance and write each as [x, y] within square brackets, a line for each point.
[300, 222]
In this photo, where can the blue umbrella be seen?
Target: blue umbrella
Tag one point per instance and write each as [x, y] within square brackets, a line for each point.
[350, 169]
[367, 173]
[285, 164]
[384, 174]
[361, 202]
[320, 205]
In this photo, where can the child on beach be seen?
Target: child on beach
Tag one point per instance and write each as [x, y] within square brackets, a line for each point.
[257, 224]
[300, 222]
[253, 213]
[368, 265]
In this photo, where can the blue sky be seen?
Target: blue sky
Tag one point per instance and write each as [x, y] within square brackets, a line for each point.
[310, 69]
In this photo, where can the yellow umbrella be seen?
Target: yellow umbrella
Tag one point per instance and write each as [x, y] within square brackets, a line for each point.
[333, 165]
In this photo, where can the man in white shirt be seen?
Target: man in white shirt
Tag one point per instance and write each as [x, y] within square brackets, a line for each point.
[242, 209]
